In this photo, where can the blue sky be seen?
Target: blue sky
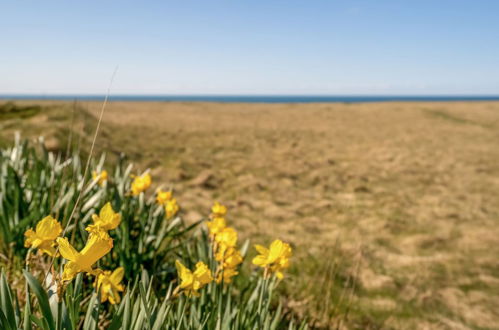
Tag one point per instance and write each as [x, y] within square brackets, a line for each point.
[250, 47]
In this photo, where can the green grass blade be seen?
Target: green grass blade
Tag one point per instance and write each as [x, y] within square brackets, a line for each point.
[43, 300]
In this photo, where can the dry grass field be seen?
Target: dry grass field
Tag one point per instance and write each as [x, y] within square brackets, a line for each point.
[398, 201]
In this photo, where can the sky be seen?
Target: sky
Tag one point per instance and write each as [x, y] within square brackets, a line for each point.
[250, 47]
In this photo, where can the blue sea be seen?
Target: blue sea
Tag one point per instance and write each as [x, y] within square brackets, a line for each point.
[255, 98]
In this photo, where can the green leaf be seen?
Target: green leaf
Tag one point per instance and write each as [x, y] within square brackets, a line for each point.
[27, 311]
[91, 320]
[4, 323]
[43, 300]
[6, 302]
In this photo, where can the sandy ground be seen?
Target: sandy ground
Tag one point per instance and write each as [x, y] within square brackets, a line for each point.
[409, 189]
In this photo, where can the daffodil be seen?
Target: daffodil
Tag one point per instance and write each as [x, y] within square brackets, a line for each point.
[227, 237]
[224, 241]
[109, 285]
[44, 235]
[226, 275]
[141, 183]
[98, 245]
[171, 208]
[106, 220]
[162, 197]
[101, 177]
[191, 282]
[218, 210]
[275, 258]
[216, 225]
[229, 259]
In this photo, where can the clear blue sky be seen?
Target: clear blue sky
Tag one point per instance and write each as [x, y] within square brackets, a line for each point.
[250, 47]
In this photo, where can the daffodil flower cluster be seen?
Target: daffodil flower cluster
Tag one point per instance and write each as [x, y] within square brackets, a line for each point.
[224, 244]
[99, 243]
[192, 281]
[140, 183]
[274, 259]
[166, 199]
[46, 238]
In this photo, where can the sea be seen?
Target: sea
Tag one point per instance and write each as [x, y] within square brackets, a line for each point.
[255, 98]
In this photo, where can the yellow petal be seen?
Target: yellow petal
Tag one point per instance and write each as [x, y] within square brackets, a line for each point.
[48, 228]
[105, 289]
[114, 297]
[107, 219]
[218, 209]
[101, 279]
[163, 196]
[184, 274]
[216, 225]
[233, 258]
[117, 275]
[260, 261]
[106, 213]
[70, 271]
[261, 249]
[96, 219]
[227, 236]
[276, 249]
[48, 249]
[67, 250]
[98, 245]
[202, 273]
[171, 208]
[30, 238]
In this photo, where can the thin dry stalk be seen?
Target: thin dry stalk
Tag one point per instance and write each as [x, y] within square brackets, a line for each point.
[70, 138]
[87, 165]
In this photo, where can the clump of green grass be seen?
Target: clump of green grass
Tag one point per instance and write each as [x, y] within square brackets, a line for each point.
[10, 110]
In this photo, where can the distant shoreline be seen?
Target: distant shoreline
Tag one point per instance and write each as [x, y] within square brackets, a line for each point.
[251, 98]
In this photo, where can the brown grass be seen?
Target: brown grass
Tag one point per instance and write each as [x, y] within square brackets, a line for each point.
[411, 187]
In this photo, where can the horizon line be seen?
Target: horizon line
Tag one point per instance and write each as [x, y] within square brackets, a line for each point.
[120, 94]
[295, 99]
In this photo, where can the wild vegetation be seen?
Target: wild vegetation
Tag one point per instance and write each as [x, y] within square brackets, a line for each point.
[98, 252]
[389, 208]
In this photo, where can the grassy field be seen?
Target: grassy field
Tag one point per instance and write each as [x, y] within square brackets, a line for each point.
[392, 208]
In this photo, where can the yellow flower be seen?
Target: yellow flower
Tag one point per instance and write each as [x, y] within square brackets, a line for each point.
[229, 259]
[218, 210]
[216, 225]
[190, 281]
[106, 220]
[98, 245]
[171, 208]
[163, 196]
[100, 177]
[141, 183]
[274, 259]
[226, 238]
[109, 285]
[226, 275]
[43, 238]
[224, 241]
